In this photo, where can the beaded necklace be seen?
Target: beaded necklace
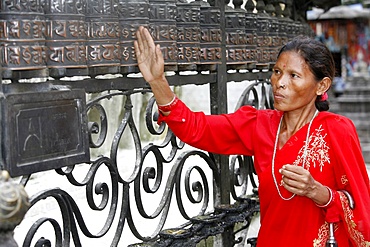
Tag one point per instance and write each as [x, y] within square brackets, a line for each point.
[304, 154]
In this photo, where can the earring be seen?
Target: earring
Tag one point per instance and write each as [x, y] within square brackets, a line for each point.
[324, 96]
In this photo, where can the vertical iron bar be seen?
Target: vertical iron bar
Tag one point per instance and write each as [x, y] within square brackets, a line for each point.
[218, 100]
[219, 106]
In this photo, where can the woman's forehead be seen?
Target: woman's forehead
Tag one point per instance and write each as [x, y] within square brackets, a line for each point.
[291, 58]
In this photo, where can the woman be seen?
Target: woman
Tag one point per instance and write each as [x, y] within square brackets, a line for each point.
[305, 157]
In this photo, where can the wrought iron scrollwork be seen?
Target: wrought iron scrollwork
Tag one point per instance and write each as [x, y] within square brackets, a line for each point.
[69, 209]
[96, 128]
[188, 180]
[259, 95]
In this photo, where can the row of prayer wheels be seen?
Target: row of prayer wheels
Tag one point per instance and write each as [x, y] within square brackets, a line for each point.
[58, 38]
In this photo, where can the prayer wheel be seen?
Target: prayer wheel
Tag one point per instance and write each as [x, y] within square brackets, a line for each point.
[263, 38]
[285, 29]
[210, 38]
[132, 14]
[282, 29]
[282, 34]
[22, 39]
[273, 31]
[289, 28]
[162, 26]
[251, 34]
[236, 52]
[103, 49]
[288, 22]
[66, 38]
[188, 35]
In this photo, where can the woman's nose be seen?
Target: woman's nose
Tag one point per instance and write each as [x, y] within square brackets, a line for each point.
[279, 82]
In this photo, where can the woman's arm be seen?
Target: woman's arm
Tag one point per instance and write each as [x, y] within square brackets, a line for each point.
[211, 133]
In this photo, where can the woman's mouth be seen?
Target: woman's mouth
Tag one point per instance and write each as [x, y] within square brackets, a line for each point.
[278, 96]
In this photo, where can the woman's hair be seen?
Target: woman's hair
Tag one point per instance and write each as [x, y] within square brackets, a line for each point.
[319, 59]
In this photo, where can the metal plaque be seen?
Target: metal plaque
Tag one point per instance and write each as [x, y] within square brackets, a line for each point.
[43, 131]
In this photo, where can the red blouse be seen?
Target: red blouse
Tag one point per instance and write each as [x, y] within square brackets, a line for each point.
[334, 159]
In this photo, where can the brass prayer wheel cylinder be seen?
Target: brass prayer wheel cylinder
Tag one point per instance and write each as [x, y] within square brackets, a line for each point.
[298, 28]
[236, 52]
[263, 41]
[22, 39]
[132, 14]
[289, 27]
[275, 40]
[162, 26]
[210, 37]
[103, 48]
[251, 39]
[282, 31]
[188, 35]
[66, 38]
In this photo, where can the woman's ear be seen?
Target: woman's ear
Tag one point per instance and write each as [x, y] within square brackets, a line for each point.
[323, 86]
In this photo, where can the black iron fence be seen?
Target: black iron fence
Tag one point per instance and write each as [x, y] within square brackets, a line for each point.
[62, 59]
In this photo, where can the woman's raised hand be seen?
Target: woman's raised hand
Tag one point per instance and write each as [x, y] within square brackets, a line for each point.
[151, 65]
[149, 56]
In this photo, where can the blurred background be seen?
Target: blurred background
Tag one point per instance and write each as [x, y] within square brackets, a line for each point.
[345, 29]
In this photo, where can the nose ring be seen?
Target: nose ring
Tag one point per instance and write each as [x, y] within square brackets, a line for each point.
[282, 86]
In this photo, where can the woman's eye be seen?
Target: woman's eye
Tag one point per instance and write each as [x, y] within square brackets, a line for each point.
[294, 75]
[276, 71]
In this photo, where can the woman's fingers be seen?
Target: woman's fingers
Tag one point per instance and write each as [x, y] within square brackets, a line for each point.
[296, 179]
[145, 47]
[147, 39]
[149, 56]
[146, 42]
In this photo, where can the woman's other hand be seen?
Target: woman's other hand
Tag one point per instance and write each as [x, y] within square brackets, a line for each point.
[299, 181]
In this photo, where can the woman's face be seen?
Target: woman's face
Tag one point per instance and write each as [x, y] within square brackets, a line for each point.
[293, 83]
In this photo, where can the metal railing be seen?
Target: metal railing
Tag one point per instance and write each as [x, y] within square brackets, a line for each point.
[62, 121]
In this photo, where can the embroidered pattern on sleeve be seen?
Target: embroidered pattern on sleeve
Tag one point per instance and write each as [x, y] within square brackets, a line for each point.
[317, 151]
[355, 234]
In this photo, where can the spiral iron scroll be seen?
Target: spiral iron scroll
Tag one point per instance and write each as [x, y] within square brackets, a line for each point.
[143, 180]
[259, 95]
